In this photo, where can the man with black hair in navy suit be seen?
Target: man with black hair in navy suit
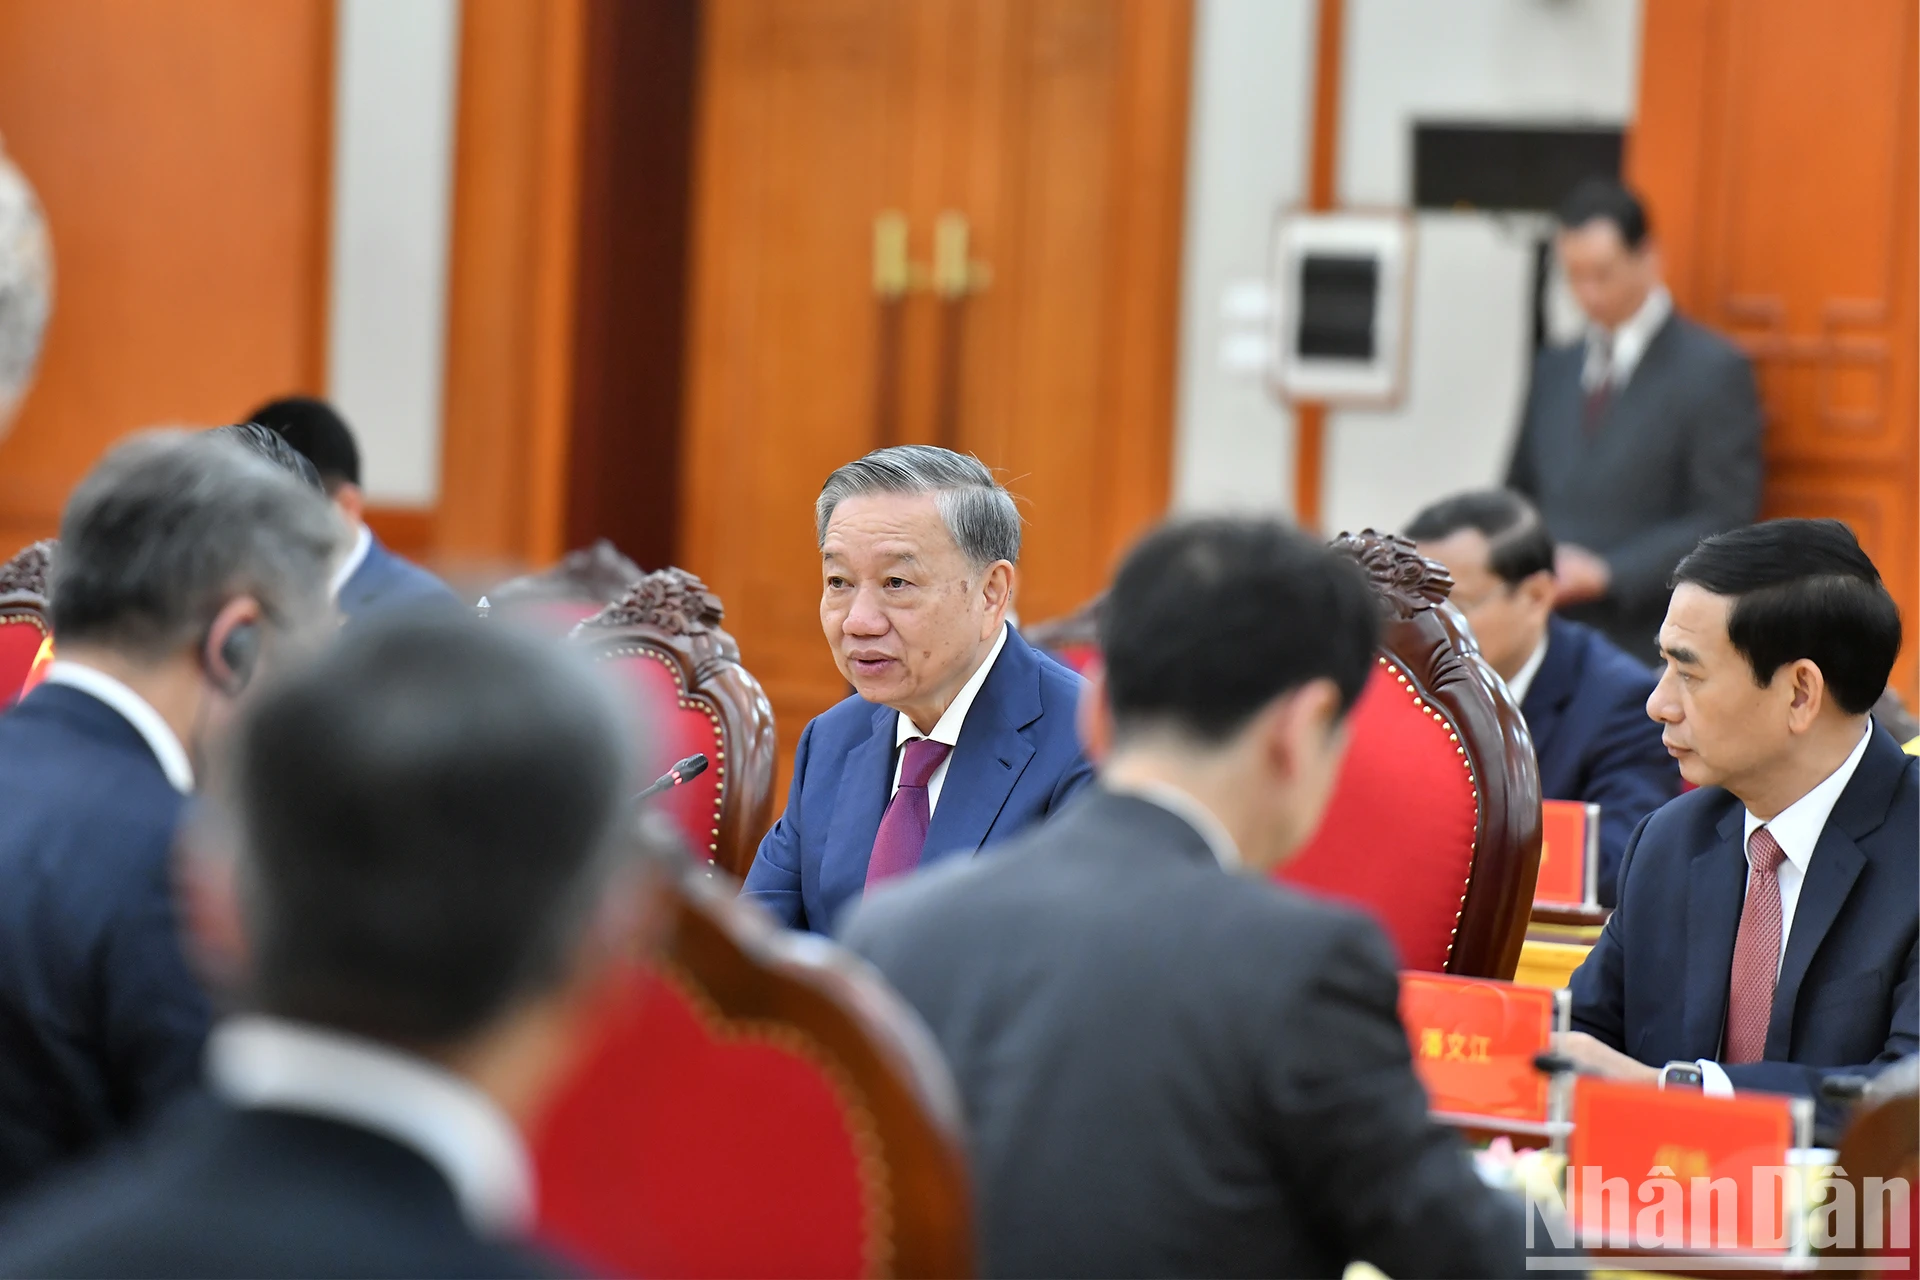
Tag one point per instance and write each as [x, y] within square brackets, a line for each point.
[1768, 921]
[1584, 698]
[186, 567]
[370, 580]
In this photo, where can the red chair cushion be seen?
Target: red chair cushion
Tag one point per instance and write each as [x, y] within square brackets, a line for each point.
[680, 726]
[20, 638]
[690, 1146]
[1398, 834]
[1080, 657]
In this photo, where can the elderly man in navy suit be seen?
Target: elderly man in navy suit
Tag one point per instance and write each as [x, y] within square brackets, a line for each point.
[959, 735]
[370, 579]
[1584, 698]
[186, 567]
[1767, 927]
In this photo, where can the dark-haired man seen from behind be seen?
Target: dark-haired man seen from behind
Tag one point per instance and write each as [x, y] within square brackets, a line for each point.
[418, 844]
[1641, 439]
[1767, 923]
[1584, 699]
[186, 568]
[371, 580]
[1170, 1064]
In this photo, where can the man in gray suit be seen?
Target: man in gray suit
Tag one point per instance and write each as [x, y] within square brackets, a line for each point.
[1639, 440]
[1172, 1065]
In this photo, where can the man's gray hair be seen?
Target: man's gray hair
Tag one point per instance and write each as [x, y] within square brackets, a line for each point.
[977, 509]
[170, 526]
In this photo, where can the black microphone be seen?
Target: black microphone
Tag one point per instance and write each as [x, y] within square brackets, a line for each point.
[692, 767]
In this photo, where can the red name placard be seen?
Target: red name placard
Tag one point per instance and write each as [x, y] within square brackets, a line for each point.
[1474, 1041]
[1569, 853]
[1653, 1169]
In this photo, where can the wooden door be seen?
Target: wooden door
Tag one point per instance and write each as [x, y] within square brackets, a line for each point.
[1776, 144]
[1056, 129]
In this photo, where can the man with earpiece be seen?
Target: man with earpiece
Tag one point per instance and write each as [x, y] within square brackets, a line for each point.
[187, 567]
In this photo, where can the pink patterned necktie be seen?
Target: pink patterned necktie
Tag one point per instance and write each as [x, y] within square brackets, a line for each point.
[1756, 953]
[903, 828]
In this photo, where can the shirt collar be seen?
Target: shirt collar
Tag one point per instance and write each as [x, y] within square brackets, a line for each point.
[1635, 334]
[275, 1064]
[1183, 805]
[1797, 827]
[1523, 679]
[135, 710]
[947, 729]
[362, 543]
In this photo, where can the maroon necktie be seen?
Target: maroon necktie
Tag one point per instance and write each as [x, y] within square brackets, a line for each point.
[1756, 953]
[1600, 395]
[903, 828]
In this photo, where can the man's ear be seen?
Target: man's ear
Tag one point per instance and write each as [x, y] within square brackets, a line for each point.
[1537, 589]
[1297, 724]
[996, 588]
[1094, 716]
[1806, 690]
[351, 501]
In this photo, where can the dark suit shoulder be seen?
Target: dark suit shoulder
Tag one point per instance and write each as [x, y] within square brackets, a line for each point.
[1696, 342]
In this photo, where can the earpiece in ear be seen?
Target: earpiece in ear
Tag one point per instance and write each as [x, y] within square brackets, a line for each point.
[238, 652]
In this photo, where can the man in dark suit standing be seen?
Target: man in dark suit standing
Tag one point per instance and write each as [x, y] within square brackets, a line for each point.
[959, 734]
[186, 566]
[1584, 699]
[371, 580]
[1171, 1064]
[418, 847]
[1639, 440]
[1767, 923]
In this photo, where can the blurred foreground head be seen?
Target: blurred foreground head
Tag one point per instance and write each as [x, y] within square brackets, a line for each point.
[427, 832]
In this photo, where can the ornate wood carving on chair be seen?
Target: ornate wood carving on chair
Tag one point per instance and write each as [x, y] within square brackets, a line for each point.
[1074, 639]
[1434, 824]
[684, 673]
[563, 595]
[757, 1104]
[23, 615]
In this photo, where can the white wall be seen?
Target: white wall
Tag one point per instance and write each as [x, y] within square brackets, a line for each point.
[1511, 61]
[395, 69]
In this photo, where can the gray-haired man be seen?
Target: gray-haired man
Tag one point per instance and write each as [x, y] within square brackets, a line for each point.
[186, 567]
[959, 735]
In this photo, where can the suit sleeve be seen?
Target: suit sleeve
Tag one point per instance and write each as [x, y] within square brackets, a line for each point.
[1598, 987]
[155, 1014]
[1077, 775]
[773, 880]
[1350, 1122]
[1722, 486]
[1630, 776]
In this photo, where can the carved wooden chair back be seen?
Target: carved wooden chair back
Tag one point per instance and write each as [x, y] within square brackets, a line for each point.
[23, 615]
[562, 596]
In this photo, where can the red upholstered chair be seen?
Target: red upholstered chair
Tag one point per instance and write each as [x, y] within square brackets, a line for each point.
[1434, 825]
[23, 616]
[663, 638]
[760, 1104]
[558, 598]
[1074, 639]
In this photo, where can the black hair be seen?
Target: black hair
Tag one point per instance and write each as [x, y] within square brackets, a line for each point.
[317, 430]
[1209, 620]
[1803, 589]
[428, 817]
[269, 445]
[1518, 543]
[1605, 198]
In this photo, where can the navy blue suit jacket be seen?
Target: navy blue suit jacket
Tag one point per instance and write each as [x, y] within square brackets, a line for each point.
[1587, 711]
[100, 1017]
[385, 583]
[1848, 999]
[1018, 759]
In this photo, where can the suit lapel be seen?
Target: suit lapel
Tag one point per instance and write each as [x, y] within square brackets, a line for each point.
[991, 755]
[1553, 686]
[1716, 890]
[866, 784]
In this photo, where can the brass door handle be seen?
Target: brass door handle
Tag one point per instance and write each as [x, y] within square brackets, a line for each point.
[894, 274]
[954, 274]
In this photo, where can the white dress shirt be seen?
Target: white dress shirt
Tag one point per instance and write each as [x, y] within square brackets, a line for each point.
[947, 729]
[1187, 808]
[1628, 343]
[278, 1065]
[355, 558]
[1796, 829]
[1523, 679]
[136, 711]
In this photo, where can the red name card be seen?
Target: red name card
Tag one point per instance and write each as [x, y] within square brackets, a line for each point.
[1474, 1041]
[1569, 853]
[1652, 1169]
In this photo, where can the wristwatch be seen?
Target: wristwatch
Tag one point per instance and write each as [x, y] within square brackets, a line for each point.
[1681, 1075]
